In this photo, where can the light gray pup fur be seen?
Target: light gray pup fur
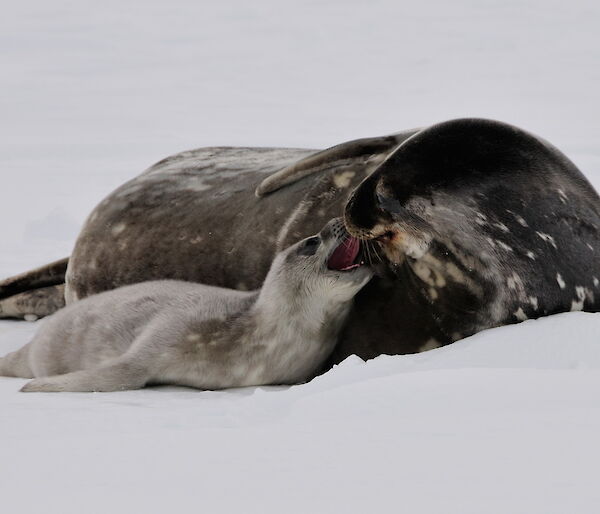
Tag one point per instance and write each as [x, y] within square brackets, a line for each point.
[174, 332]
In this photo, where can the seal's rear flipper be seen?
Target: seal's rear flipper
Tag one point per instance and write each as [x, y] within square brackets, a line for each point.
[35, 293]
[351, 150]
[33, 304]
[48, 275]
[118, 375]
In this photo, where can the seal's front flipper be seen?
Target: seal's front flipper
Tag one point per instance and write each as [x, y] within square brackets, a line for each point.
[33, 304]
[120, 375]
[359, 149]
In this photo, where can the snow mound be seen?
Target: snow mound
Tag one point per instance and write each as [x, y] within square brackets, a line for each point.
[503, 421]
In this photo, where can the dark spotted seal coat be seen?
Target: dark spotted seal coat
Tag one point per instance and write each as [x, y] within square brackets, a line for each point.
[491, 224]
[479, 224]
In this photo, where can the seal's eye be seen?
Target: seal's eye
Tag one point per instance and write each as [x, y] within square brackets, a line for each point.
[388, 203]
[309, 247]
[380, 198]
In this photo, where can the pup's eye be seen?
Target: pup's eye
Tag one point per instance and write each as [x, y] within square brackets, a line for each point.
[310, 246]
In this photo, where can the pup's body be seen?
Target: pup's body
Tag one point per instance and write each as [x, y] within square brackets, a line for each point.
[173, 332]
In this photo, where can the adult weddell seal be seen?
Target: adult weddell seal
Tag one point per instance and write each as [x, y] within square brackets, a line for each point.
[172, 332]
[475, 223]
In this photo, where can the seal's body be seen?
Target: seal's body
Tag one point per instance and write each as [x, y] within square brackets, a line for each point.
[498, 226]
[195, 216]
[173, 332]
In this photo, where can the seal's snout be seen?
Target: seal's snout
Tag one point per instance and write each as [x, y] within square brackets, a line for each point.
[359, 215]
[364, 217]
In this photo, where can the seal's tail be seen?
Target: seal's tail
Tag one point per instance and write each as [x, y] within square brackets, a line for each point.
[34, 294]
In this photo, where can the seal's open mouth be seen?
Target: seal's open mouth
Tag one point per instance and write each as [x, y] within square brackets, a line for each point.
[346, 256]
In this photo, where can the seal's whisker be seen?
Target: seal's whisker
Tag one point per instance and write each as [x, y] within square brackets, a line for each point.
[368, 248]
[375, 251]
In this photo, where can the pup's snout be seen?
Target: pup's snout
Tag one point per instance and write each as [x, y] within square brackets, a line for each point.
[335, 229]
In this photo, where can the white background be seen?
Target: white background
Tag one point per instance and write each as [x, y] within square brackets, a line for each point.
[94, 92]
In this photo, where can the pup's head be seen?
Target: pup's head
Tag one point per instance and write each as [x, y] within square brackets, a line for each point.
[328, 265]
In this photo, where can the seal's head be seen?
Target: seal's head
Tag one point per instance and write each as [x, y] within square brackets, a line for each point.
[467, 185]
[451, 208]
[327, 266]
[480, 217]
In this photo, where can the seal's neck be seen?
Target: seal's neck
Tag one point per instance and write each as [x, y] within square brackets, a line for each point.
[283, 310]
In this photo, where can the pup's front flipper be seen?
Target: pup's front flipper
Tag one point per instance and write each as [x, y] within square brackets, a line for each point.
[116, 376]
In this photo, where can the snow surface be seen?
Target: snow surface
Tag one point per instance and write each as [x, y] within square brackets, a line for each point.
[94, 92]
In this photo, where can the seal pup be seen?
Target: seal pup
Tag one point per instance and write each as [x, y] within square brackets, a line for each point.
[171, 332]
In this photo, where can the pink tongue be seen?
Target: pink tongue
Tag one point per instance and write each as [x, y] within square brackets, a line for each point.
[343, 256]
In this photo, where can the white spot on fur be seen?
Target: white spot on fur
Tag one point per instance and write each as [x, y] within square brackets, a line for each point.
[520, 315]
[430, 276]
[502, 227]
[430, 344]
[428, 269]
[118, 228]
[196, 240]
[596, 282]
[521, 221]
[455, 273]
[577, 303]
[531, 255]
[563, 197]
[433, 294]
[440, 281]
[424, 273]
[589, 295]
[504, 246]
[546, 237]
[560, 281]
[193, 337]
[514, 281]
[590, 246]
[342, 180]
[416, 247]
[534, 302]
[196, 184]
[30, 317]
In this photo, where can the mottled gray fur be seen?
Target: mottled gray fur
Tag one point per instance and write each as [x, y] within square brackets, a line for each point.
[174, 332]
